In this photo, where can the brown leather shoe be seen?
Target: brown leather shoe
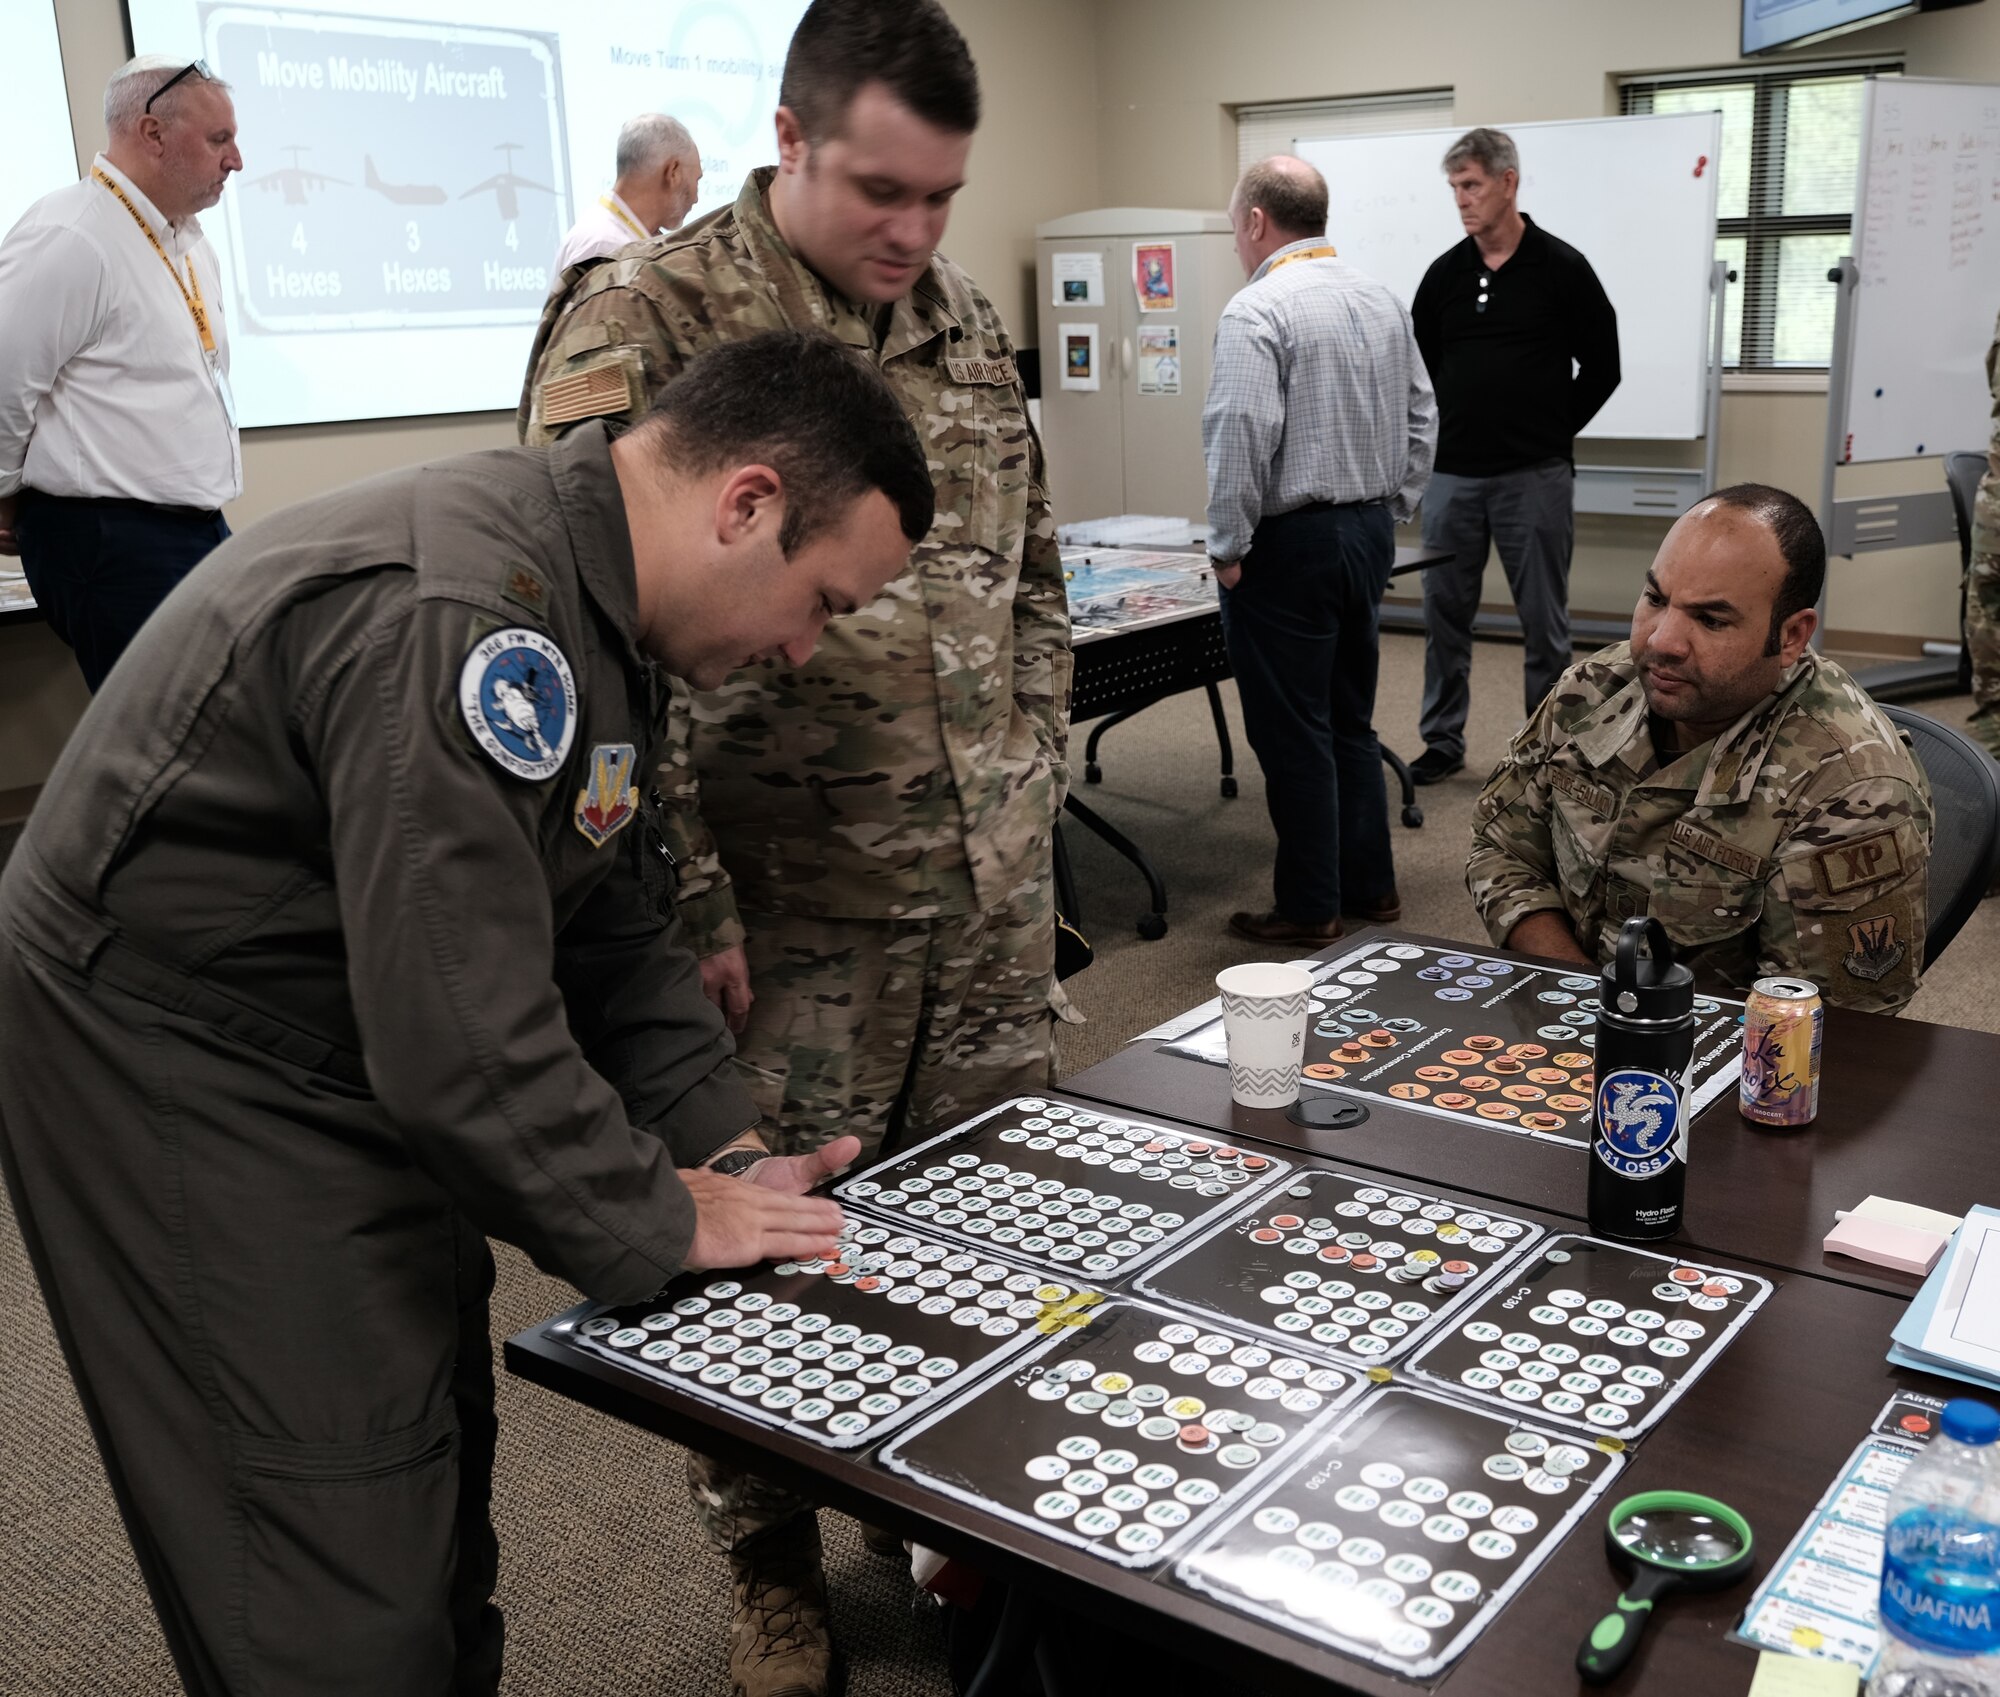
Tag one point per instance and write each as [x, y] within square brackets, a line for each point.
[780, 1640]
[1274, 927]
[1384, 912]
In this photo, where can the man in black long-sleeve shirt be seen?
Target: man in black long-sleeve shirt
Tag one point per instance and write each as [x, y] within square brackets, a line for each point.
[1522, 346]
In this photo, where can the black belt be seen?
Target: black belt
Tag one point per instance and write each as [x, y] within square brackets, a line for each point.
[123, 503]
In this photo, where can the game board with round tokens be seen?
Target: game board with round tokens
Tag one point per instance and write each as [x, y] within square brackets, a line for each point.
[836, 1351]
[1127, 1432]
[1470, 1037]
[1344, 1266]
[1600, 1336]
[1063, 1187]
[1398, 1534]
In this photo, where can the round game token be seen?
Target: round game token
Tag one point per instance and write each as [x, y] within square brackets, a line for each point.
[1379, 1039]
[1523, 1092]
[1457, 1100]
[1462, 1057]
[1570, 1104]
[1438, 1074]
[1543, 1122]
[1498, 1111]
[1409, 1092]
[1480, 1082]
[1687, 1276]
[1506, 1064]
[1485, 1043]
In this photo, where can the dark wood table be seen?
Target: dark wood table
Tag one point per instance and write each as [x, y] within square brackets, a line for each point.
[1765, 1429]
[1905, 1112]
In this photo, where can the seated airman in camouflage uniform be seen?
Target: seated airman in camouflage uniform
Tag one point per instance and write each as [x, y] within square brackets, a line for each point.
[1982, 597]
[1718, 774]
[864, 841]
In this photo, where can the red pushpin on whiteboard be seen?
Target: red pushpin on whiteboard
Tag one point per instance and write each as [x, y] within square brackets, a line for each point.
[1701, 164]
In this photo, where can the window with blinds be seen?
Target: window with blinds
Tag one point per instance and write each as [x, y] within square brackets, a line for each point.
[1264, 130]
[1791, 152]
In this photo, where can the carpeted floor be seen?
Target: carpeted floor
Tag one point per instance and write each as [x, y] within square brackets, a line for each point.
[606, 1583]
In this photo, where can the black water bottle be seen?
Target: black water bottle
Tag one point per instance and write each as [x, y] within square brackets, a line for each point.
[1638, 1121]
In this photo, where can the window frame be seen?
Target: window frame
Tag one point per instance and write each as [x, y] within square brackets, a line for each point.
[1765, 224]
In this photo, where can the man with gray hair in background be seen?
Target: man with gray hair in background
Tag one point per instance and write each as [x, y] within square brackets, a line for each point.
[1318, 431]
[659, 180]
[118, 443]
[1522, 344]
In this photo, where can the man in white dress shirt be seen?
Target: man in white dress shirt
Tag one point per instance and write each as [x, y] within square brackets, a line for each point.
[118, 441]
[659, 179]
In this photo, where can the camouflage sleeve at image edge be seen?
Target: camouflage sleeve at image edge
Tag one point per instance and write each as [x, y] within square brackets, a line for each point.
[1042, 655]
[1511, 870]
[1847, 901]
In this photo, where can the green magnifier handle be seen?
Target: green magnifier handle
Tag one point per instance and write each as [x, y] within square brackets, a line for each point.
[1608, 1646]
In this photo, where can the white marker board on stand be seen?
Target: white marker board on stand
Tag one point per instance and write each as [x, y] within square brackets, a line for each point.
[1928, 246]
[1635, 195]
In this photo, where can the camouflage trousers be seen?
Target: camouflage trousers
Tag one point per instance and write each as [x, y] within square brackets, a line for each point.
[1982, 642]
[892, 1030]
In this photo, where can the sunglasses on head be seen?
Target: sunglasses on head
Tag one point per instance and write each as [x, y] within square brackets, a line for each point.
[198, 69]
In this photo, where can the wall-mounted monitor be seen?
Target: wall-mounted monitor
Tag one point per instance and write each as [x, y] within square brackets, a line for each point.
[410, 169]
[1769, 24]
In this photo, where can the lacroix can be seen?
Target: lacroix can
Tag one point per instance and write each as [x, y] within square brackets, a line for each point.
[1782, 1023]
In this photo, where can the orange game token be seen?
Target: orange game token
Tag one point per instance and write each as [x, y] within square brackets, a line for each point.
[1334, 1252]
[1458, 1100]
[1409, 1092]
[1197, 1148]
[1351, 1053]
[1548, 1075]
[1527, 1051]
[1461, 1057]
[1265, 1234]
[1324, 1071]
[1687, 1276]
[1380, 1040]
[1364, 1262]
[1254, 1163]
[1524, 1092]
[1499, 1111]
[1573, 1058]
[871, 1282]
[1480, 1082]
[1506, 1063]
[1715, 1287]
[1285, 1222]
[1193, 1437]
[1484, 1043]
[1155, 1148]
[835, 1268]
[1585, 1081]
[1438, 1075]
[1544, 1122]
[1224, 1153]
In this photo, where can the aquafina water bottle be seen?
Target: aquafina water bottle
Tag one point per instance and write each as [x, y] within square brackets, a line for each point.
[1940, 1608]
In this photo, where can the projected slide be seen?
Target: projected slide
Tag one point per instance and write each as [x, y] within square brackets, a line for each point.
[1779, 23]
[35, 136]
[408, 175]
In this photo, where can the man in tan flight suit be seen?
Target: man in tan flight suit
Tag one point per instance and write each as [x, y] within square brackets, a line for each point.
[868, 838]
[1718, 774]
[342, 939]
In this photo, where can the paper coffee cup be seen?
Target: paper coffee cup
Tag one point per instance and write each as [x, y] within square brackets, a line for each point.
[1264, 1008]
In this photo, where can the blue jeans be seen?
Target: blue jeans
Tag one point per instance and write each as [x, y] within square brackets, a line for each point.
[99, 568]
[1531, 515]
[1302, 627]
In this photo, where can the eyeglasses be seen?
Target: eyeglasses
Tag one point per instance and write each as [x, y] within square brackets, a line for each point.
[198, 69]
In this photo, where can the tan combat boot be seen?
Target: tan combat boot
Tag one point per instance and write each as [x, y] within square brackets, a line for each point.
[780, 1639]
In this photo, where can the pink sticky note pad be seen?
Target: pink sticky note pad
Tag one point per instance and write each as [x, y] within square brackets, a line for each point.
[1901, 1247]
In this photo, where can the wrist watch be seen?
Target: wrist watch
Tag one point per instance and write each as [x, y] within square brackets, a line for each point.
[737, 1162]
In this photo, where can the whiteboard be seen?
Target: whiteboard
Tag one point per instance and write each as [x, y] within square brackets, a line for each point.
[1635, 195]
[35, 136]
[1928, 209]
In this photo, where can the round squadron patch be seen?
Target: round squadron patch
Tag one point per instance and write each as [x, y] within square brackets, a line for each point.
[518, 696]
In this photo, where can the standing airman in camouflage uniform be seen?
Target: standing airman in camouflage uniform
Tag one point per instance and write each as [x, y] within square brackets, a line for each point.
[865, 841]
[1718, 774]
[1982, 598]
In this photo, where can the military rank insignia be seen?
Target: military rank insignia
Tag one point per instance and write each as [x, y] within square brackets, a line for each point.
[608, 800]
[518, 695]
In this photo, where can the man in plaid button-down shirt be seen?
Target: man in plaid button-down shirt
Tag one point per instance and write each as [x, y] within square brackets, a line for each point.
[1319, 430]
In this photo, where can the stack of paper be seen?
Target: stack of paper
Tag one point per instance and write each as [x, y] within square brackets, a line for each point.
[1953, 1325]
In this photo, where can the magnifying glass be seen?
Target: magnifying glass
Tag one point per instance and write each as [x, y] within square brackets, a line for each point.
[1671, 1541]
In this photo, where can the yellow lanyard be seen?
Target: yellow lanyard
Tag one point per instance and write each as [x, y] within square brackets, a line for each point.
[611, 206]
[191, 289]
[1324, 251]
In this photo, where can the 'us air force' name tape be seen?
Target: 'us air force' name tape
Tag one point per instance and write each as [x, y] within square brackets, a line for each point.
[518, 695]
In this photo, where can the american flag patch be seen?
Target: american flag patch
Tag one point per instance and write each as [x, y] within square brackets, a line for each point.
[603, 390]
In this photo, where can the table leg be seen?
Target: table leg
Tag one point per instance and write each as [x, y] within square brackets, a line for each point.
[1222, 739]
[1413, 815]
[1153, 924]
[1092, 772]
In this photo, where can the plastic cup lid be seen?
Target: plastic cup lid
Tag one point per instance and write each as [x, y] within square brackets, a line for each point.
[1969, 1421]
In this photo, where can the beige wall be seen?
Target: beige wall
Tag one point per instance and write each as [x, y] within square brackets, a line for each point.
[1171, 71]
